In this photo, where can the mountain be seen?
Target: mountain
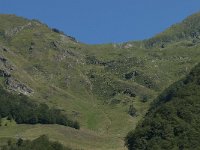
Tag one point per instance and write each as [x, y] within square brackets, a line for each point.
[187, 31]
[106, 88]
[173, 120]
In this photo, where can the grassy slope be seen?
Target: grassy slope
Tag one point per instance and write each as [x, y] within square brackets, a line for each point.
[60, 73]
[67, 136]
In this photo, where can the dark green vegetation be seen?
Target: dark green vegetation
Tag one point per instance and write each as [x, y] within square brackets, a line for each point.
[107, 88]
[41, 143]
[24, 111]
[173, 121]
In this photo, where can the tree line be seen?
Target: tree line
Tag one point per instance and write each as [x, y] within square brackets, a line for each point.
[24, 111]
[41, 143]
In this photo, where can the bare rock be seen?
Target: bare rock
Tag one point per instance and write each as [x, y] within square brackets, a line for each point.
[5, 49]
[128, 45]
[4, 63]
[14, 31]
[4, 73]
[2, 59]
[17, 86]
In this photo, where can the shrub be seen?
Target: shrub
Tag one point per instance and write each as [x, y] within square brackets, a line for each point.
[132, 111]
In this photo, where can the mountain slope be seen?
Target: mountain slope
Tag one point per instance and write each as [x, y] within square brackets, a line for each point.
[173, 121]
[187, 31]
[104, 87]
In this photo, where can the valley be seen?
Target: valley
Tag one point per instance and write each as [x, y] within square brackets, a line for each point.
[107, 88]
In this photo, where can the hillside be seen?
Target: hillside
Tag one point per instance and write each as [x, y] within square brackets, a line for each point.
[22, 110]
[172, 122]
[187, 31]
[107, 88]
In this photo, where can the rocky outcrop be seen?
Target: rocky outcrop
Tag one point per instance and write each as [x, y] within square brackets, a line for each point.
[130, 92]
[4, 49]
[5, 64]
[4, 73]
[3, 59]
[131, 75]
[128, 45]
[15, 85]
[14, 31]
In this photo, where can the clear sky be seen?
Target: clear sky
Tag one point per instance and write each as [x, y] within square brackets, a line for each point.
[104, 21]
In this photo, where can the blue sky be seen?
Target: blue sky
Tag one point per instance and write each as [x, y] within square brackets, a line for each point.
[104, 21]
